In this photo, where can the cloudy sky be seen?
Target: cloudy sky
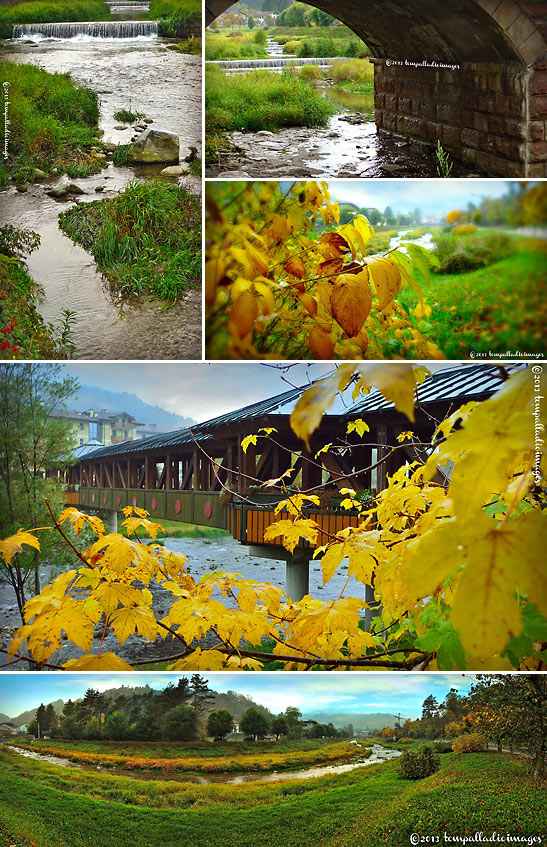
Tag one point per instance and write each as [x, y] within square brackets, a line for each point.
[343, 692]
[433, 198]
[200, 390]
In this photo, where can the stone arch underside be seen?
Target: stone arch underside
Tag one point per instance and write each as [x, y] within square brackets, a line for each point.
[492, 109]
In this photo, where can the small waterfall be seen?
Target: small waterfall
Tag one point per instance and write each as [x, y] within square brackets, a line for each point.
[255, 64]
[93, 29]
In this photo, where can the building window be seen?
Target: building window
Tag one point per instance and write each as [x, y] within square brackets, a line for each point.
[81, 426]
[113, 432]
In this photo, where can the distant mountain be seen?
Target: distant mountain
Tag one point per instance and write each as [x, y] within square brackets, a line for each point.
[374, 720]
[89, 397]
[30, 714]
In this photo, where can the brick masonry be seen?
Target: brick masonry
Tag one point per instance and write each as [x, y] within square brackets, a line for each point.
[492, 116]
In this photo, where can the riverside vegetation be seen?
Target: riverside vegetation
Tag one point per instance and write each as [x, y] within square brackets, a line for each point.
[63, 807]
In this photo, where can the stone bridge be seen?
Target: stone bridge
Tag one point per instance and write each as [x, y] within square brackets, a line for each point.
[489, 107]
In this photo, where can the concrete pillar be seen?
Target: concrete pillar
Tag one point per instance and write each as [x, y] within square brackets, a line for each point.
[370, 614]
[112, 520]
[297, 580]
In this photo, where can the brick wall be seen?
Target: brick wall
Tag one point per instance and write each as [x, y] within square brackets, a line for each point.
[492, 116]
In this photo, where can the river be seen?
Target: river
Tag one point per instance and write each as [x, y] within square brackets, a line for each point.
[141, 73]
[378, 754]
[349, 146]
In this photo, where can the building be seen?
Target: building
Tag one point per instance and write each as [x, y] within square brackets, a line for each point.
[104, 427]
[6, 729]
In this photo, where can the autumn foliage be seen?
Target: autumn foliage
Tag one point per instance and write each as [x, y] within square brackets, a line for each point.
[457, 566]
[283, 279]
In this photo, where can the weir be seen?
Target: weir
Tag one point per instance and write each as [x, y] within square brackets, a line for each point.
[95, 29]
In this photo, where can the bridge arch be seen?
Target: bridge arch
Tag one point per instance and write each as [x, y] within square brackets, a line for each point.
[491, 110]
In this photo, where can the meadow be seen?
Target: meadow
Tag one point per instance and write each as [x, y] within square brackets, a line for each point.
[62, 807]
[51, 11]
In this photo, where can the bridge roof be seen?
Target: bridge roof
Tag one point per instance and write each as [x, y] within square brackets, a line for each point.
[450, 384]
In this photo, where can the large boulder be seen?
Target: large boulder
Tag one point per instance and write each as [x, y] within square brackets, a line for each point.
[155, 146]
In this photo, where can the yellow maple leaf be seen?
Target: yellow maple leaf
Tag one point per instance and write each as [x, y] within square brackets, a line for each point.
[359, 426]
[13, 544]
[102, 662]
[407, 435]
[292, 532]
[78, 519]
[127, 620]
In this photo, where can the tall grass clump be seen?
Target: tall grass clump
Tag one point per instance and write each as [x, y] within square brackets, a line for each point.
[176, 18]
[358, 71]
[51, 11]
[239, 46]
[260, 100]
[148, 238]
[327, 46]
[53, 120]
[457, 254]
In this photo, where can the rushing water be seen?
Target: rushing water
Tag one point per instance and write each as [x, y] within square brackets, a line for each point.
[378, 754]
[94, 29]
[146, 76]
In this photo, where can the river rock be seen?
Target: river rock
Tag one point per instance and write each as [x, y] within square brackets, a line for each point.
[392, 169]
[174, 170]
[121, 127]
[99, 156]
[99, 188]
[193, 154]
[110, 148]
[75, 189]
[155, 145]
[264, 133]
[58, 191]
[148, 121]
[38, 174]
[233, 175]
[22, 187]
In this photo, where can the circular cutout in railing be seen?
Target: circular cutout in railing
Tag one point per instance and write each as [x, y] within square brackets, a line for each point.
[118, 500]
[134, 501]
[104, 499]
[154, 504]
[207, 510]
[177, 507]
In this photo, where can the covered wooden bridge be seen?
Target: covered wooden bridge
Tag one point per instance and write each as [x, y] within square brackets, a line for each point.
[203, 476]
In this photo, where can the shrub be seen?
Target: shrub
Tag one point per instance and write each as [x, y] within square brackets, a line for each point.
[354, 70]
[464, 229]
[443, 747]
[311, 72]
[459, 255]
[291, 46]
[405, 741]
[419, 764]
[473, 742]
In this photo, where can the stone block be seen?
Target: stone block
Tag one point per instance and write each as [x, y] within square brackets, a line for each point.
[391, 102]
[506, 14]
[469, 155]
[537, 130]
[470, 137]
[448, 114]
[533, 48]
[404, 106]
[451, 137]
[536, 169]
[483, 160]
[487, 143]
[480, 122]
[486, 102]
[538, 107]
[538, 151]
[515, 128]
[538, 83]
[433, 131]
[468, 118]
[379, 101]
[507, 147]
[521, 29]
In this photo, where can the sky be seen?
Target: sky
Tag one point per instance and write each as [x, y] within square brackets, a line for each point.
[311, 693]
[433, 198]
[200, 390]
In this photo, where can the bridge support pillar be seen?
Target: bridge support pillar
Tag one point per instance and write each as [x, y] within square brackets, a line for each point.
[112, 520]
[297, 575]
[370, 614]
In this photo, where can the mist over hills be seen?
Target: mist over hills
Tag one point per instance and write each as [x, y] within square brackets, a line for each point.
[89, 397]
[374, 720]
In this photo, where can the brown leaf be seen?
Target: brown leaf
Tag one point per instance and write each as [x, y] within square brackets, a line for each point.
[295, 267]
[320, 344]
[324, 290]
[351, 302]
[309, 303]
[333, 245]
[329, 268]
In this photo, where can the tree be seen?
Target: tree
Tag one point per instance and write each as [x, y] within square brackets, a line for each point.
[253, 723]
[320, 18]
[295, 15]
[32, 443]
[388, 212]
[417, 214]
[430, 707]
[293, 716]
[201, 694]
[279, 726]
[92, 730]
[41, 718]
[388, 732]
[251, 22]
[180, 724]
[32, 728]
[260, 37]
[147, 728]
[116, 727]
[220, 723]
[512, 708]
[70, 728]
[50, 718]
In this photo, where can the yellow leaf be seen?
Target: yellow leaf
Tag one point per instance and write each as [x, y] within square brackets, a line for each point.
[292, 532]
[309, 409]
[78, 519]
[320, 344]
[358, 426]
[104, 662]
[127, 620]
[244, 313]
[386, 278]
[249, 439]
[12, 545]
[351, 300]
[295, 267]
[405, 436]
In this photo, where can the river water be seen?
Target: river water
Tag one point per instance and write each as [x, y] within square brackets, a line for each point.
[378, 754]
[142, 74]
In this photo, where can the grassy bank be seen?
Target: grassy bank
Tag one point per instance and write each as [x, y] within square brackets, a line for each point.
[372, 805]
[177, 18]
[147, 239]
[51, 11]
[53, 123]
[23, 332]
[178, 529]
[232, 45]
[495, 309]
[259, 100]
[354, 75]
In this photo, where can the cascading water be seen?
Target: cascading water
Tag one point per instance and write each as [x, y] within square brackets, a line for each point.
[254, 64]
[93, 29]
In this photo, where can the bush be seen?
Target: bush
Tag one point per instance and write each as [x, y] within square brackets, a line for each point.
[311, 72]
[443, 747]
[473, 742]
[464, 229]
[180, 724]
[354, 70]
[459, 255]
[405, 741]
[291, 46]
[419, 764]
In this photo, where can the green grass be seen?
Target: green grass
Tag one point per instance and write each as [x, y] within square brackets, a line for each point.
[53, 123]
[148, 238]
[177, 18]
[260, 100]
[51, 11]
[220, 46]
[126, 116]
[495, 309]
[179, 529]
[368, 806]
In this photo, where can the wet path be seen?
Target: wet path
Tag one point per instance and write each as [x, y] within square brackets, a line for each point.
[146, 76]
